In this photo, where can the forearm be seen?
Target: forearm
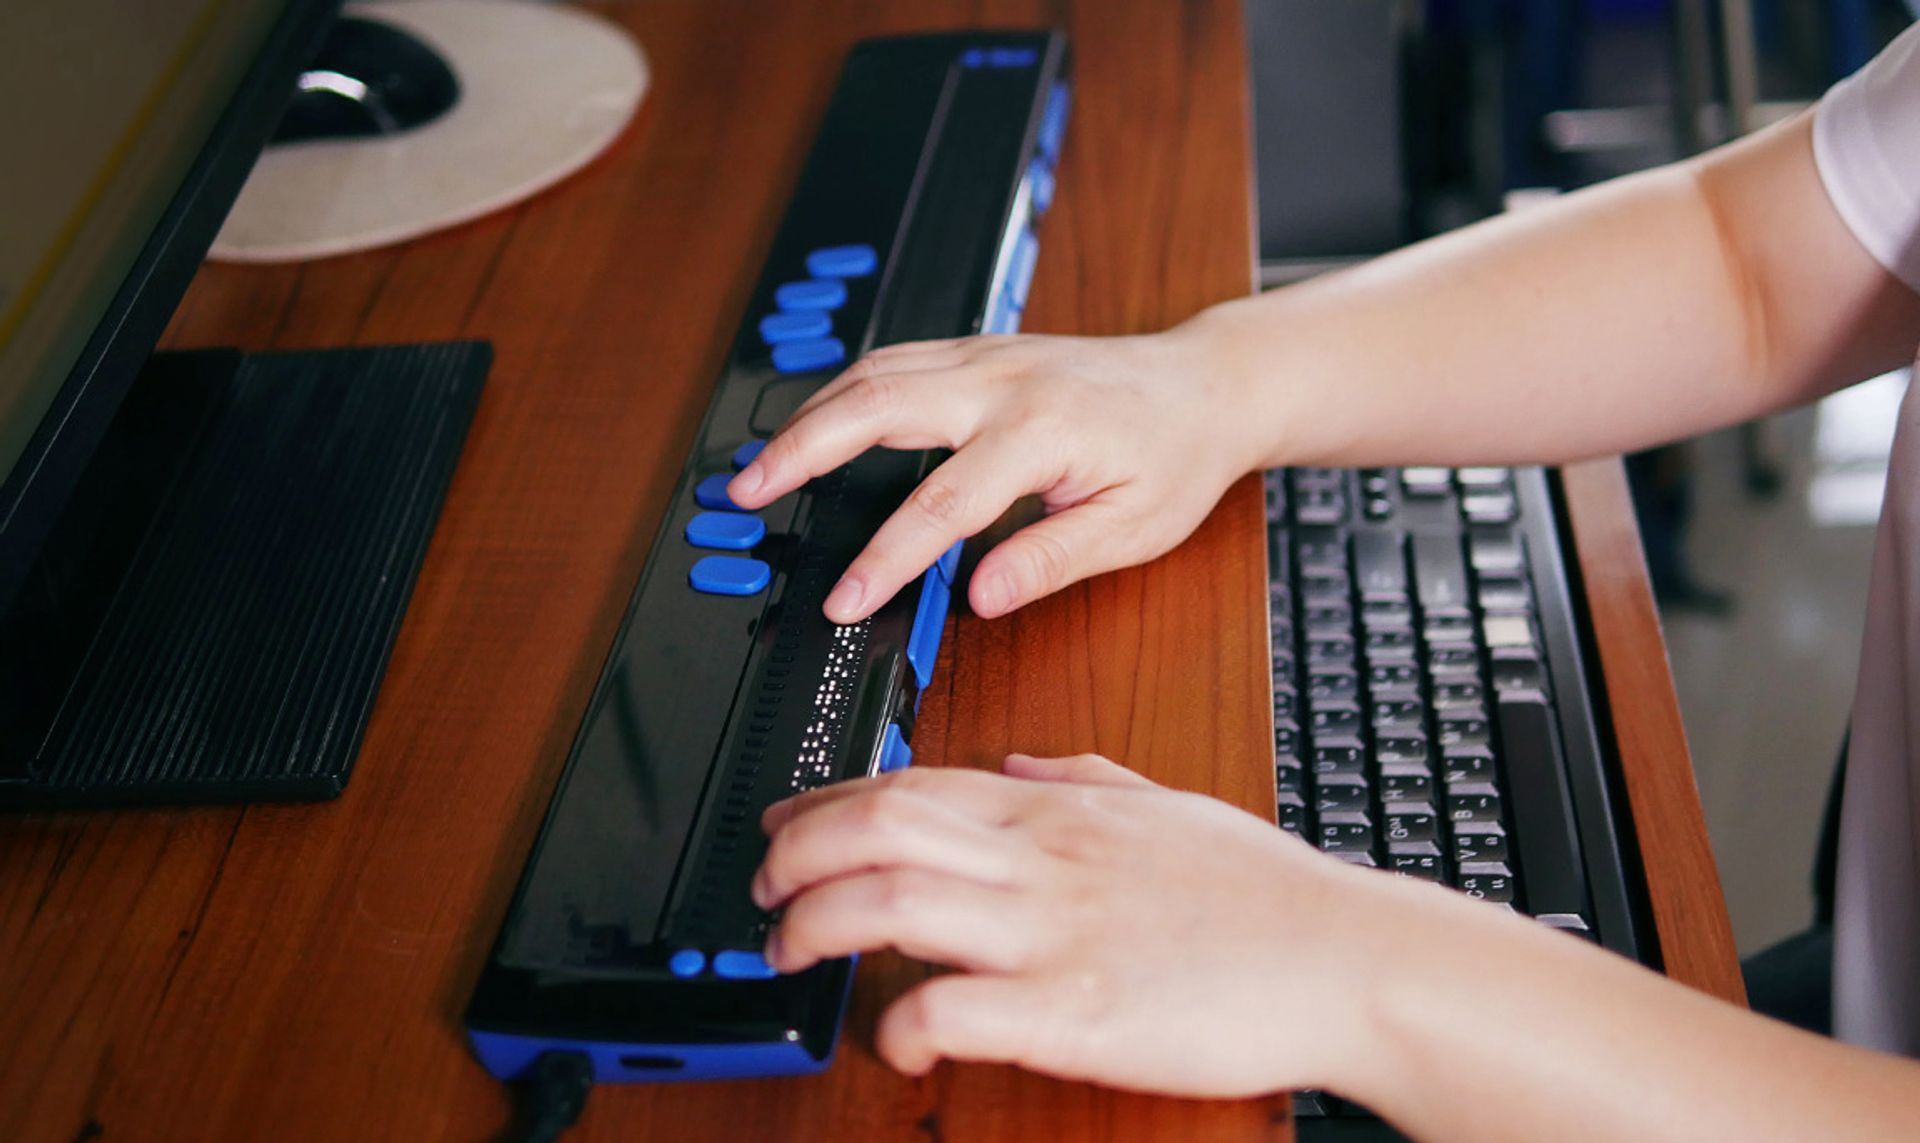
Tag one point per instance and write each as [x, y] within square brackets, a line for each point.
[1648, 309]
[1507, 1032]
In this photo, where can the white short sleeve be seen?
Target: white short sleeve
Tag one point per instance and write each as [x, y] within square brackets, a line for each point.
[1866, 143]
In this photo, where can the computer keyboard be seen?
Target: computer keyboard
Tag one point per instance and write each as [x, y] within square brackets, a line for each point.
[1431, 708]
[1431, 715]
[632, 939]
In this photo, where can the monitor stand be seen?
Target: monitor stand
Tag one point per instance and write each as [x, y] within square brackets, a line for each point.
[211, 616]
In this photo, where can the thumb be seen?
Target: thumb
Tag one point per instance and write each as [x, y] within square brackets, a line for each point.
[1044, 557]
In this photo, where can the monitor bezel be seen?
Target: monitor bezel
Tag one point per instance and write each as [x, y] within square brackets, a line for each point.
[37, 489]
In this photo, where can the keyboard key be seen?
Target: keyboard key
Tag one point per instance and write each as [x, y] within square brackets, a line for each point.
[1440, 571]
[730, 575]
[1286, 745]
[1344, 837]
[1384, 615]
[1488, 846]
[1473, 808]
[1346, 794]
[1493, 549]
[1507, 631]
[1482, 478]
[1389, 646]
[1464, 734]
[1290, 780]
[1407, 713]
[728, 531]
[1453, 660]
[1402, 750]
[1504, 592]
[1293, 815]
[1380, 566]
[1391, 677]
[815, 294]
[1407, 828]
[1493, 887]
[1334, 724]
[1327, 621]
[1549, 845]
[1444, 630]
[1339, 760]
[1324, 653]
[1519, 676]
[1333, 686]
[1419, 866]
[1489, 507]
[1464, 768]
[1459, 696]
[1426, 482]
[852, 261]
[1403, 788]
[1319, 506]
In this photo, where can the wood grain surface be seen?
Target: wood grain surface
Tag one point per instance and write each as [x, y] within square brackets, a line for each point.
[1683, 884]
[297, 972]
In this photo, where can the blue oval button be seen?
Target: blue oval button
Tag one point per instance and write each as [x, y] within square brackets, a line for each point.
[743, 456]
[1026, 252]
[729, 575]
[813, 294]
[855, 261]
[808, 356]
[740, 964]
[687, 962]
[729, 531]
[785, 326]
[712, 493]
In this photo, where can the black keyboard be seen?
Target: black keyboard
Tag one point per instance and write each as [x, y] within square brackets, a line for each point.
[632, 939]
[1432, 715]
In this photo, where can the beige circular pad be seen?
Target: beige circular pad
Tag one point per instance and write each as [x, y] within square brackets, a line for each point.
[543, 89]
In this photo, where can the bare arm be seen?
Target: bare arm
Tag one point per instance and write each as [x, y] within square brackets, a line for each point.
[1109, 930]
[1641, 311]
[1646, 309]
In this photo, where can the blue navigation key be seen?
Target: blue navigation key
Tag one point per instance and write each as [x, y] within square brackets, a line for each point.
[743, 456]
[1053, 123]
[712, 493]
[795, 326]
[739, 964]
[813, 294]
[808, 356]
[855, 261]
[729, 531]
[687, 962]
[929, 621]
[730, 575]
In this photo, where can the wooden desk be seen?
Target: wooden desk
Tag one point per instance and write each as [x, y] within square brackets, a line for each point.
[297, 972]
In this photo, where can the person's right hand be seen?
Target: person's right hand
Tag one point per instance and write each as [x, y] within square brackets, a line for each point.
[1129, 442]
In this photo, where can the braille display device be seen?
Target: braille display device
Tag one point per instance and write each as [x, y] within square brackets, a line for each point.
[631, 939]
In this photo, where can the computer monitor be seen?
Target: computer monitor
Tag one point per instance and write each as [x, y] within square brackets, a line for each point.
[126, 131]
[204, 556]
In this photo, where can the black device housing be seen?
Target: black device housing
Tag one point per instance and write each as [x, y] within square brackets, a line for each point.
[936, 151]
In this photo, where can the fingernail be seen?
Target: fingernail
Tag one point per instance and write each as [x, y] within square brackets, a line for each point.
[771, 954]
[758, 890]
[994, 597]
[844, 600]
[747, 483]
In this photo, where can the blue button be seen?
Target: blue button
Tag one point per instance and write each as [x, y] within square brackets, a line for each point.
[1040, 186]
[808, 356]
[739, 964]
[743, 456]
[949, 562]
[1026, 252]
[1001, 316]
[853, 261]
[730, 575]
[973, 57]
[929, 619]
[712, 493]
[731, 531]
[1053, 125]
[895, 754]
[813, 294]
[1012, 57]
[687, 962]
[785, 326]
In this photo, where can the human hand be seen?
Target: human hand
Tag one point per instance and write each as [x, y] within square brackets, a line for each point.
[1129, 442]
[1104, 928]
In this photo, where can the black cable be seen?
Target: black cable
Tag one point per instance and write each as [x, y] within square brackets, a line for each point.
[553, 1097]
